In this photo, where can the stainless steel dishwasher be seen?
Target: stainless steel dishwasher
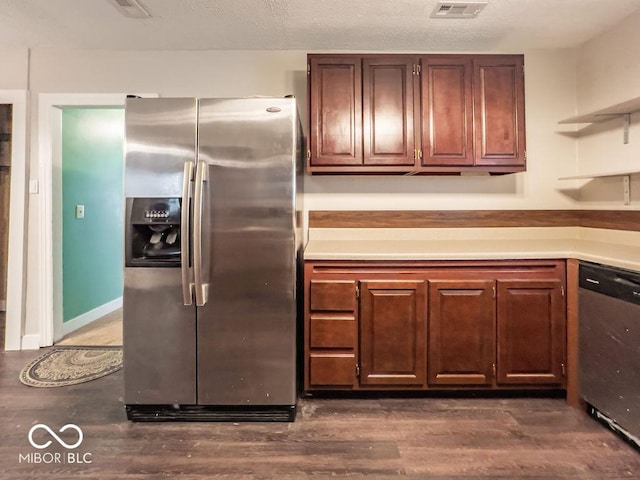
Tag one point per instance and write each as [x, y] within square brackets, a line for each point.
[609, 346]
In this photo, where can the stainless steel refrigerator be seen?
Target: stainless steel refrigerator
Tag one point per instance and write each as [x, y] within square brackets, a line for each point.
[212, 242]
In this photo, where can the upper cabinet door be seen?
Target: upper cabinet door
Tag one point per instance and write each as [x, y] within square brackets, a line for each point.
[447, 111]
[499, 110]
[336, 110]
[388, 104]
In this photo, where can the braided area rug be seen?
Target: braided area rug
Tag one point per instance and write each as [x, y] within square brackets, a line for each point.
[62, 366]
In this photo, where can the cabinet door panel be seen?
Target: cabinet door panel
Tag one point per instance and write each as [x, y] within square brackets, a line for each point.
[388, 111]
[461, 332]
[499, 110]
[447, 111]
[335, 87]
[392, 333]
[531, 332]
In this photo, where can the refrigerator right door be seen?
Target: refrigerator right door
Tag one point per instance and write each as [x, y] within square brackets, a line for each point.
[247, 327]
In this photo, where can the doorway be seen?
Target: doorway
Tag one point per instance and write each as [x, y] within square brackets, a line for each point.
[92, 224]
[6, 116]
[50, 119]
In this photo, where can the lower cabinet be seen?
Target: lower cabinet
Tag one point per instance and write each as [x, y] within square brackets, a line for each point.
[531, 332]
[434, 325]
[461, 332]
[392, 332]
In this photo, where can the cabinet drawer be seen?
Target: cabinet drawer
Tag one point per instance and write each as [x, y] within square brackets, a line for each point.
[327, 370]
[333, 295]
[332, 332]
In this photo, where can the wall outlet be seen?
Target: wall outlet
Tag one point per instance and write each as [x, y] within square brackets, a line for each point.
[79, 211]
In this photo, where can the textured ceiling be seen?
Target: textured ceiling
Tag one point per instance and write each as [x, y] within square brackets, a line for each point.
[356, 25]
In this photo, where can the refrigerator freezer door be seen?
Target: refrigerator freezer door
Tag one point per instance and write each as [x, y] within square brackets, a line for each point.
[247, 329]
[160, 138]
[159, 330]
[159, 339]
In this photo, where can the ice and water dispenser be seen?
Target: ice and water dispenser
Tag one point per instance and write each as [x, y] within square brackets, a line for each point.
[153, 236]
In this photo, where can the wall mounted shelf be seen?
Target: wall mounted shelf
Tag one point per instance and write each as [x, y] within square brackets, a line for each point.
[626, 183]
[623, 110]
[625, 173]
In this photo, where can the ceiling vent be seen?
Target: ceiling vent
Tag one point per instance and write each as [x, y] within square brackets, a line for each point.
[130, 8]
[458, 9]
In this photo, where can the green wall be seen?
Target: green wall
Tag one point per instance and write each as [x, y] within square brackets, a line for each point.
[92, 175]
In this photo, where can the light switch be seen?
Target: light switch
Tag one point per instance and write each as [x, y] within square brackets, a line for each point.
[79, 211]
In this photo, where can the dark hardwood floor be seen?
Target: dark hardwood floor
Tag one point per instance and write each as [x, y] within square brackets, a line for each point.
[373, 438]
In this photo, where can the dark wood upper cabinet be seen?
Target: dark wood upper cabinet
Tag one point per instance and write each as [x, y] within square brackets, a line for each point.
[531, 332]
[387, 107]
[461, 332]
[447, 111]
[392, 333]
[499, 110]
[416, 113]
[335, 104]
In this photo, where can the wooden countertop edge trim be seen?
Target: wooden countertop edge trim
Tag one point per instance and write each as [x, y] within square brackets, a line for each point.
[608, 219]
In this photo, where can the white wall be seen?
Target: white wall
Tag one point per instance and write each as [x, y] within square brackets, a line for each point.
[550, 95]
[15, 69]
[608, 72]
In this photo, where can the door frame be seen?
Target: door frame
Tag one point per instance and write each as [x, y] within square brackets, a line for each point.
[50, 107]
[16, 259]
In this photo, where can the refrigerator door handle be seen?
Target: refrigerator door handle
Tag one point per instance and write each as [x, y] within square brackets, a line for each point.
[202, 174]
[185, 227]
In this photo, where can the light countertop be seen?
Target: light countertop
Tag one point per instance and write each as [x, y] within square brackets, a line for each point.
[613, 247]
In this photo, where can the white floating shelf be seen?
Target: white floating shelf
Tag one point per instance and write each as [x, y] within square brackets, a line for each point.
[603, 174]
[618, 110]
[626, 183]
[623, 110]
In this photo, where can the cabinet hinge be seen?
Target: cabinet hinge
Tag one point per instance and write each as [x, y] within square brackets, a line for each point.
[416, 69]
[493, 367]
[494, 296]
[357, 371]
[308, 154]
[562, 290]
[357, 291]
[564, 370]
[308, 69]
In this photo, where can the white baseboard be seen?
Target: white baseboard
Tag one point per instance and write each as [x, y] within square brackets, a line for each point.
[88, 317]
[30, 342]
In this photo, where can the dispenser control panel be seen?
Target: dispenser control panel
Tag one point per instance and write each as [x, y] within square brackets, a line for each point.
[148, 211]
[156, 213]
